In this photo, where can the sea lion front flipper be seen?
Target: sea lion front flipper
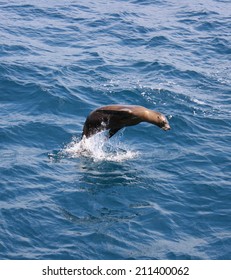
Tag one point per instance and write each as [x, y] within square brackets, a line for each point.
[113, 131]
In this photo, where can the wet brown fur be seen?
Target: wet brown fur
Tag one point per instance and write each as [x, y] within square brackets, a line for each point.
[115, 117]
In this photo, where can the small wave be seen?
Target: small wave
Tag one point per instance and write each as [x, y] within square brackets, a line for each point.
[99, 148]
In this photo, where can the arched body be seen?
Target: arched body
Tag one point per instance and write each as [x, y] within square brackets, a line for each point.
[115, 117]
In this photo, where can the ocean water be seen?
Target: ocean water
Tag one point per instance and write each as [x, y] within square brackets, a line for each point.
[146, 193]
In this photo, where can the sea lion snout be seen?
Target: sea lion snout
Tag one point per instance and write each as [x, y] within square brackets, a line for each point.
[166, 127]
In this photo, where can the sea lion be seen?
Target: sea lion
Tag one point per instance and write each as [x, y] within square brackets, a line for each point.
[115, 117]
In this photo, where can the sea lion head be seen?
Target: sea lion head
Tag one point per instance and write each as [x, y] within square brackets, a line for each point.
[156, 118]
[163, 122]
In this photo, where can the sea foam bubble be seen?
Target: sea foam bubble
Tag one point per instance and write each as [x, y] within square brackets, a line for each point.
[99, 148]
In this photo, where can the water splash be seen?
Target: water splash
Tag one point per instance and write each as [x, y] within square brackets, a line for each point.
[99, 148]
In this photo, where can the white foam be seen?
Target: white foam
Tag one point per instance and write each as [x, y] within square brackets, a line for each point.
[99, 148]
[200, 102]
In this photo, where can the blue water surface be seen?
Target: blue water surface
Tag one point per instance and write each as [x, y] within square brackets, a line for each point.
[146, 193]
